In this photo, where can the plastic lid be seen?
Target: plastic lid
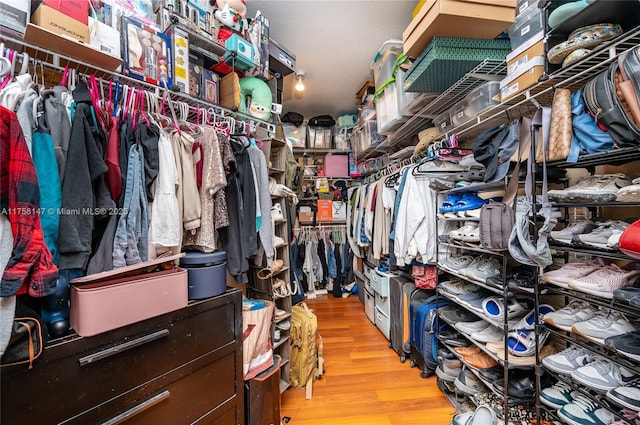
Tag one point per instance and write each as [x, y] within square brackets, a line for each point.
[392, 45]
[203, 257]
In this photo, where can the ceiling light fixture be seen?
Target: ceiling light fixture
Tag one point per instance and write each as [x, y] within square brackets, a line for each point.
[300, 74]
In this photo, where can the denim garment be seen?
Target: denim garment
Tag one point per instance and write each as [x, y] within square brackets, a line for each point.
[331, 260]
[130, 245]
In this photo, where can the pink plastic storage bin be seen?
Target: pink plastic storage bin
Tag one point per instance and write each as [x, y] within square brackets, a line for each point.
[336, 165]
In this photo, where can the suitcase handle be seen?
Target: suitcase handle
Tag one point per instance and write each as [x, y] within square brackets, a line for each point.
[139, 408]
[112, 351]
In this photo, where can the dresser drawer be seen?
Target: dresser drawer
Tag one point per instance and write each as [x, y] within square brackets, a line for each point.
[88, 372]
[190, 399]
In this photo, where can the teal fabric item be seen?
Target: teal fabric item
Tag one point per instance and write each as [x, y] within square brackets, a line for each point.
[44, 161]
[445, 60]
[564, 12]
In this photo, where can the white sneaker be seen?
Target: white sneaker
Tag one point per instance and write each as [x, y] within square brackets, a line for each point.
[583, 411]
[466, 233]
[276, 213]
[602, 188]
[599, 237]
[565, 274]
[604, 281]
[471, 327]
[603, 325]
[602, 374]
[567, 360]
[566, 317]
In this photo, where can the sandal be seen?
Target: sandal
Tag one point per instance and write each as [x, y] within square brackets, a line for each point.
[279, 289]
[469, 201]
[518, 306]
[450, 203]
[268, 272]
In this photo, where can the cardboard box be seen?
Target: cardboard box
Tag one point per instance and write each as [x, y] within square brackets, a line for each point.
[14, 16]
[526, 78]
[180, 43]
[325, 210]
[523, 54]
[76, 9]
[104, 38]
[259, 37]
[55, 21]
[147, 53]
[306, 216]
[281, 61]
[457, 18]
[195, 80]
[210, 86]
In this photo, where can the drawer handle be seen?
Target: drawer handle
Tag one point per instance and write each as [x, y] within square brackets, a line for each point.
[124, 416]
[100, 355]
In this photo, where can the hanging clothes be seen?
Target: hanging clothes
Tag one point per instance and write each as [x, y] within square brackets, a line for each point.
[231, 236]
[7, 304]
[80, 190]
[131, 238]
[220, 209]
[337, 282]
[114, 173]
[147, 136]
[187, 194]
[166, 224]
[59, 123]
[248, 194]
[259, 162]
[127, 139]
[31, 261]
[322, 258]
[27, 111]
[44, 161]
[213, 180]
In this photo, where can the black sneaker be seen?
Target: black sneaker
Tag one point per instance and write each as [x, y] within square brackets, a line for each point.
[626, 344]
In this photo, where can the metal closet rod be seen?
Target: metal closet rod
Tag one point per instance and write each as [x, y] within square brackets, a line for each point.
[57, 62]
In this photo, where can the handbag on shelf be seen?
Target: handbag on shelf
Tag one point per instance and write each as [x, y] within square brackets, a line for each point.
[497, 218]
[561, 131]
[28, 337]
[629, 242]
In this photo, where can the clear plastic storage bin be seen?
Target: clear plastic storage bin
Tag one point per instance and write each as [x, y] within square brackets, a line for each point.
[459, 113]
[443, 122]
[382, 64]
[319, 137]
[483, 97]
[527, 24]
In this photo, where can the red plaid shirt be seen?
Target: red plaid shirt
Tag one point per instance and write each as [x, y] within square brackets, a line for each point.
[31, 263]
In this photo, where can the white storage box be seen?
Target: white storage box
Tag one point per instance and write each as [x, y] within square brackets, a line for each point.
[369, 305]
[382, 322]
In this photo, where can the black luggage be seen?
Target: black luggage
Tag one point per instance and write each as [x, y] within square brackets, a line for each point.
[400, 290]
[322, 121]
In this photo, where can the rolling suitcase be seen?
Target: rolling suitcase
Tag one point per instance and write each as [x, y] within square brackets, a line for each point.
[424, 328]
[400, 290]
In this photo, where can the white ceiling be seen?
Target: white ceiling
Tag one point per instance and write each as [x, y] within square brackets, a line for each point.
[334, 42]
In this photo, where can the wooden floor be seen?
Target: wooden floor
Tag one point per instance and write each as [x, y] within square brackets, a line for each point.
[364, 382]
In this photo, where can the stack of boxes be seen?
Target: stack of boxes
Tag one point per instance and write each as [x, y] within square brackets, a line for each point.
[525, 64]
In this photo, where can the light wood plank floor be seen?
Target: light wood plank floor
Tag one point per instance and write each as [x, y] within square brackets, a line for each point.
[364, 382]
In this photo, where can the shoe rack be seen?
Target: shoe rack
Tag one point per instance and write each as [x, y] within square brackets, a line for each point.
[512, 366]
[563, 296]
[278, 286]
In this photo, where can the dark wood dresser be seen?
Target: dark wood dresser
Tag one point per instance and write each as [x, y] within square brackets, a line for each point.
[179, 368]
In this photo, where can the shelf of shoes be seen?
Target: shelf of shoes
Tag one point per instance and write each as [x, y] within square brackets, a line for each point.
[595, 348]
[278, 286]
[593, 397]
[480, 316]
[470, 246]
[616, 255]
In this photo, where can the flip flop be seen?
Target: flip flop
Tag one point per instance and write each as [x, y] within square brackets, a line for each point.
[268, 272]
